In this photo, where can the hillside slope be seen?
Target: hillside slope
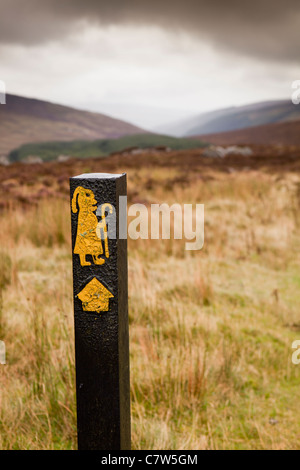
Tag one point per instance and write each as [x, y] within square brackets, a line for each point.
[25, 120]
[281, 133]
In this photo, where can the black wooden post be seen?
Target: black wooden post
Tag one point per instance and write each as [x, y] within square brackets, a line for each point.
[101, 312]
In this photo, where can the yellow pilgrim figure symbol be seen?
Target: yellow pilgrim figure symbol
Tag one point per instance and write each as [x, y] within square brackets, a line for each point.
[88, 238]
[95, 297]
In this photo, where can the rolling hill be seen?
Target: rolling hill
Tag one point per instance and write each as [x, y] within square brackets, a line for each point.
[234, 118]
[25, 120]
[280, 133]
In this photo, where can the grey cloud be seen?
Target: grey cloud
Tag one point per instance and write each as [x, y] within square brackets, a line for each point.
[266, 29]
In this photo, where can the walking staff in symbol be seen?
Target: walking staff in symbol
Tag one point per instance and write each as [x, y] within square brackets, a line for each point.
[102, 226]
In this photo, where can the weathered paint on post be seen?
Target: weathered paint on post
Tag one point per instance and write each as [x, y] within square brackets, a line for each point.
[100, 313]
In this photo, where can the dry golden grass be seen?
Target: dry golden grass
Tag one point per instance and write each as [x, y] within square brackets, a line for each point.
[210, 331]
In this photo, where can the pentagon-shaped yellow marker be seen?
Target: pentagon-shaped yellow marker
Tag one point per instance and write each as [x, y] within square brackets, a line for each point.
[95, 297]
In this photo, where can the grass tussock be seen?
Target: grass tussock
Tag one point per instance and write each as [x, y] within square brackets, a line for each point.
[210, 331]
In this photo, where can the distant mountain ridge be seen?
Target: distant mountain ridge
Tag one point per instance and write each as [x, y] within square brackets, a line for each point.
[235, 118]
[27, 120]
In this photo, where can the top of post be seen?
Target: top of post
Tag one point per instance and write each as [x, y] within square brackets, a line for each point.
[98, 176]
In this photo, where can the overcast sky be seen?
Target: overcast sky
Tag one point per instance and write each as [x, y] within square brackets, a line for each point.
[150, 62]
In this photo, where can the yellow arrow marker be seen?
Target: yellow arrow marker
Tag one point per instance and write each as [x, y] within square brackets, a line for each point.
[95, 297]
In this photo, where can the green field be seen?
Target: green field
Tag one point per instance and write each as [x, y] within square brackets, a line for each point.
[83, 149]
